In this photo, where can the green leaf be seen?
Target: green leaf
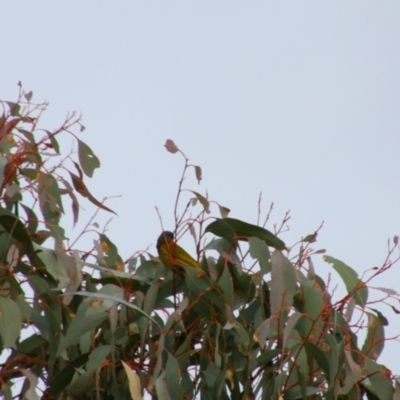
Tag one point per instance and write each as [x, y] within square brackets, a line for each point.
[31, 218]
[14, 108]
[291, 323]
[10, 321]
[97, 357]
[162, 388]
[259, 250]
[379, 380]
[350, 278]
[264, 332]
[282, 288]
[18, 231]
[226, 284]
[3, 162]
[173, 378]
[296, 393]
[32, 345]
[319, 355]
[243, 286]
[375, 340]
[64, 377]
[150, 298]
[113, 299]
[56, 269]
[53, 142]
[310, 298]
[75, 203]
[225, 250]
[311, 238]
[396, 395]
[384, 321]
[87, 159]
[233, 229]
[81, 188]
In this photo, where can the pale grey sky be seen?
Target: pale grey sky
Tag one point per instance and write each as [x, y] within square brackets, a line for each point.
[299, 100]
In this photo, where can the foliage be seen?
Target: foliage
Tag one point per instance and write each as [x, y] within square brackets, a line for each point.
[257, 323]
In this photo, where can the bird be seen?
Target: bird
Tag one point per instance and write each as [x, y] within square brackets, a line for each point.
[172, 255]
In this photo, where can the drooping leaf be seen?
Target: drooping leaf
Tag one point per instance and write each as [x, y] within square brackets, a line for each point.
[204, 202]
[53, 141]
[173, 378]
[282, 288]
[375, 340]
[10, 321]
[83, 191]
[31, 218]
[75, 203]
[319, 355]
[87, 159]
[351, 280]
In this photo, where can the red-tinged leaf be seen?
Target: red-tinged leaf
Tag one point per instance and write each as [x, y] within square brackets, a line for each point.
[53, 142]
[88, 160]
[75, 204]
[8, 127]
[198, 172]
[78, 168]
[395, 310]
[83, 191]
[28, 96]
[171, 146]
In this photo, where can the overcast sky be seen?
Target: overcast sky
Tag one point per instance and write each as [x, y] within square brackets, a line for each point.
[299, 100]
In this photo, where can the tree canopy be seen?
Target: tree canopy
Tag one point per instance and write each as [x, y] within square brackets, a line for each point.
[257, 321]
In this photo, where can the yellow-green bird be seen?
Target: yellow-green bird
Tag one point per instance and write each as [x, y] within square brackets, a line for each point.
[172, 255]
